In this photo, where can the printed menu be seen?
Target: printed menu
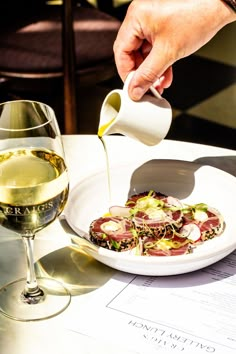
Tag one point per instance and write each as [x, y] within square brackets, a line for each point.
[189, 313]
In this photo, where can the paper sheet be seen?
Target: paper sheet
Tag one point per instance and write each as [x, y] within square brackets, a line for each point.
[190, 313]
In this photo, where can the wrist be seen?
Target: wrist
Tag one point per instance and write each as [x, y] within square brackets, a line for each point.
[230, 7]
[231, 4]
[221, 13]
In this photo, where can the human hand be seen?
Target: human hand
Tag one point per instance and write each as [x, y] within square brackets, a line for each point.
[157, 33]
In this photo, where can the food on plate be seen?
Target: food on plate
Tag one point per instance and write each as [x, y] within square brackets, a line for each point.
[154, 224]
[155, 214]
[112, 232]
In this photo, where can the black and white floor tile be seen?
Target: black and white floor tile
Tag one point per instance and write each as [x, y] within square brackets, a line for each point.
[203, 93]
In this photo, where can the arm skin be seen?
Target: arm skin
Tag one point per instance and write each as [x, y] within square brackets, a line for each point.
[157, 33]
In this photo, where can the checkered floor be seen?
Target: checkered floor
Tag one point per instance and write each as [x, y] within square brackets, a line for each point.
[203, 94]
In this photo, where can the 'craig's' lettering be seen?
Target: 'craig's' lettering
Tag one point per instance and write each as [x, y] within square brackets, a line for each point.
[26, 210]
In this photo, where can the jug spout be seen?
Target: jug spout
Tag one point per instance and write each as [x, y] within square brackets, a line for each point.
[107, 118]
[109, 112]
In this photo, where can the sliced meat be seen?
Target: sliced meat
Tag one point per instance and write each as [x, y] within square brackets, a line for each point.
[156, 225]
[210, 225]
[165, 247]
[114, 233]
[155, 214]
[131, 202]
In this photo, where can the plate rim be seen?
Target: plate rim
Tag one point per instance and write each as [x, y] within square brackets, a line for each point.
[171, 260]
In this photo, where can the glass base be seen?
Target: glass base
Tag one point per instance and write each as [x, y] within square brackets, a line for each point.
[13, 305]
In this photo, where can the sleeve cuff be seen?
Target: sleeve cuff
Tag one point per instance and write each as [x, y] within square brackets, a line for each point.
[231, 3]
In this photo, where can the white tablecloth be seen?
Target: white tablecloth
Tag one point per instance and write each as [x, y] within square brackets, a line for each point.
[84, 154]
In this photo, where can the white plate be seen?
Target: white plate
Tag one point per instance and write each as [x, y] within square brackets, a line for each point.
[190, 182]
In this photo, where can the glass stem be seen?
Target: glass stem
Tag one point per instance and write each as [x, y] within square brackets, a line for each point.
[32, 293]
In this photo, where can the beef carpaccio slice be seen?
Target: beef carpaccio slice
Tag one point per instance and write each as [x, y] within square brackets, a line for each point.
[114, 233]
[155, 224]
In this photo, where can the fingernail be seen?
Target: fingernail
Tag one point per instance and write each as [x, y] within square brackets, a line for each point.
[137, 93]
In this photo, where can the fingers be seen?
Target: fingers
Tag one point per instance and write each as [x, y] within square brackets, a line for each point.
[154, 70]
[149, 66]
[164, 81]
[127, 53]
[128, 62]
[139, 47]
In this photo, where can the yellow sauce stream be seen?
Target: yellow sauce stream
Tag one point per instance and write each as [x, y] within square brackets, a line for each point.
[102, 129]
[108, 168]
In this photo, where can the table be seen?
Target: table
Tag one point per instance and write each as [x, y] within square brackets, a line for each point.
[82, 275]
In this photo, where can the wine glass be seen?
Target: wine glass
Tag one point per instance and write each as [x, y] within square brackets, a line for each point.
[33, 191]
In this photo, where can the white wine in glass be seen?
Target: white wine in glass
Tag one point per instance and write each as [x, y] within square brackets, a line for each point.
[34, 189]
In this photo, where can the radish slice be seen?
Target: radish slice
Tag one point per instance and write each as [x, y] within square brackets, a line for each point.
[200, 216]
[174, 201]
[119, 211]
[156, 214]
[109, 227]
[190, 231]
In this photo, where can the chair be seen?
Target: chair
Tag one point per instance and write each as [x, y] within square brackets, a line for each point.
[51, 46]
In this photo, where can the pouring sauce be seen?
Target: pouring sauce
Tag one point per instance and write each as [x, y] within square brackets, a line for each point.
[102, 129]
[107, 163]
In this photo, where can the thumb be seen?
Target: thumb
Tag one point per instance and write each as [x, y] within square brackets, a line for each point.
[151, 69]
